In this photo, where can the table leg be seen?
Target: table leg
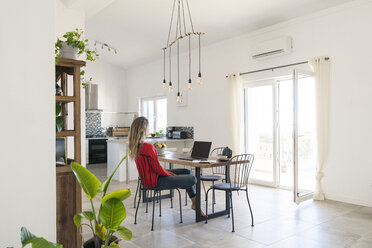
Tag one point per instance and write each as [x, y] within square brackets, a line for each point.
[198, 216]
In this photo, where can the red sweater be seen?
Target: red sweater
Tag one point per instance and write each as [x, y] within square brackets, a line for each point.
[149, 150]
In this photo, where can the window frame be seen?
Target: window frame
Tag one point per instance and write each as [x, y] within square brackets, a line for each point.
[142, 101]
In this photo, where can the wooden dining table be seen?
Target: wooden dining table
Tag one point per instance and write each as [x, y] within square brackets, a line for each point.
[174, 158]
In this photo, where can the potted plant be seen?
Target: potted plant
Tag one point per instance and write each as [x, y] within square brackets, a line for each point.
[108, 219]
[73, 44]
[36, 242]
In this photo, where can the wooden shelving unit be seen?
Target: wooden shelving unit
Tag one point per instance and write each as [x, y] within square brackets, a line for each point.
[68, 189]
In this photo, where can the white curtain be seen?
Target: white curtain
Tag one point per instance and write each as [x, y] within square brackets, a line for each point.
[237, 113]
[321, 66]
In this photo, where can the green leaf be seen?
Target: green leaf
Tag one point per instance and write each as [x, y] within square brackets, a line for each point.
[78, 218]
[58, 108]
[101, 231]
[88, 182]
[119, 194]
[59, 123]
[28, 238]
[107, 182]
[125, 233]
[112, 213]
[113, 244]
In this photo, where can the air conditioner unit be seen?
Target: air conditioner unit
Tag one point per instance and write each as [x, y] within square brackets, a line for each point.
[272, 48]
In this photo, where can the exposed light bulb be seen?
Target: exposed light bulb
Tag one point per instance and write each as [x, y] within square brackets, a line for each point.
[170, 87]
[164, 84]
[199, 79]
[178, 97]
[189, 84]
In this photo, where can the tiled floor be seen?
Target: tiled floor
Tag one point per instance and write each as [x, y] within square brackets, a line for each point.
[278, 222]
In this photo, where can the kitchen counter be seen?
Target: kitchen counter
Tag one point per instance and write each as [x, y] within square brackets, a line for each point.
[149, 140]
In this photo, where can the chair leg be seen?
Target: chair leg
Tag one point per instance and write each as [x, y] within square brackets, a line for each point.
[135, 197]
[139, 201]
[159, 203]
[153, 211]
[147, 200]
[185, 198]
[171, 192]
[250, 208]
[205, 192]
[213, 197]
[179, 195]
[232, 211]
[206, 208]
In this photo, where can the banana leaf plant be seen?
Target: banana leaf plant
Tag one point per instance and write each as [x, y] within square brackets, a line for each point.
[27, 238]
[108, 219]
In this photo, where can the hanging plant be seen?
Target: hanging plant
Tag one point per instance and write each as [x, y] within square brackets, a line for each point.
[72, 45]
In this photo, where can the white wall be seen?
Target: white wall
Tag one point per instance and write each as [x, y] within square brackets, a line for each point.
[67, 19]
[343, 34]
[27, 107]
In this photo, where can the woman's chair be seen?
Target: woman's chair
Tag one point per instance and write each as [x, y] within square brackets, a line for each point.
[218, 174]
[144, 165]
[240, 168]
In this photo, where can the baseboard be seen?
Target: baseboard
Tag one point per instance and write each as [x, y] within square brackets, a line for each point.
[349, 200]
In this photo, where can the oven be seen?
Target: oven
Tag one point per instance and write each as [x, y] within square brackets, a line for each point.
[97, 151]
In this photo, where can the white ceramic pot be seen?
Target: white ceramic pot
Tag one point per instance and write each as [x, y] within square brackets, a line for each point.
[69, 52]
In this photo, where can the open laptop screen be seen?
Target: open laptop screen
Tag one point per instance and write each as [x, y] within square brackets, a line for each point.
[201, 149]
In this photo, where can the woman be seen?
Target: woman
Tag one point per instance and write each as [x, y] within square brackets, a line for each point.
[179, 178]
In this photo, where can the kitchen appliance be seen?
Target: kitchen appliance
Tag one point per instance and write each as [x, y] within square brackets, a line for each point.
[91, 97]
[97, 150]
[180, 132]
[179, 135]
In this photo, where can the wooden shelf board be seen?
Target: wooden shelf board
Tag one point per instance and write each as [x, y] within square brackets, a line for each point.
[65, 98]
[70, 62]
[66, 133]
[63, 169]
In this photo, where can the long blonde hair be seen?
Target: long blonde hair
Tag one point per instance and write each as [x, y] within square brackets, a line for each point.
[137, 134]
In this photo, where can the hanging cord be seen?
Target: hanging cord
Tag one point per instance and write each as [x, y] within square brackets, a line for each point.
[188, 9]
[178, 18]
[164, 67]
[184, 20]
[178, 66]
[171, 21]
[199, 55]
[170, 66]
[189, 58]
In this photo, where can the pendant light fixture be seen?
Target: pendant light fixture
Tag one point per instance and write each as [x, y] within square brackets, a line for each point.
[183, 28]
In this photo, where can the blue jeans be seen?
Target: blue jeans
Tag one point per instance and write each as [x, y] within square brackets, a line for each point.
[183, 180]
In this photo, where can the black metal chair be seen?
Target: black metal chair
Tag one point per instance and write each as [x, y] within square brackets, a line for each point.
[218, 174]
[144, 164]
[240, 168]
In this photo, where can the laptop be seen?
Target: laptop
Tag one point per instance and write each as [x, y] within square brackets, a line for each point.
[200, 151]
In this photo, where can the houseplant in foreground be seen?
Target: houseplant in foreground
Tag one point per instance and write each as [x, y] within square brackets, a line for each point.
[27, 238]
[107, 220]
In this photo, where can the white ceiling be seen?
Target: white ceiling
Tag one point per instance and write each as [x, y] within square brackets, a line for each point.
[138, 28]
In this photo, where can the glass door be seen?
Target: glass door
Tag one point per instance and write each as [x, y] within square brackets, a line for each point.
[261, 129]
[304, 138]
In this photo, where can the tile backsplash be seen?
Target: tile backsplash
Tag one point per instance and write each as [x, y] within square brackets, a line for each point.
[93, 123]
